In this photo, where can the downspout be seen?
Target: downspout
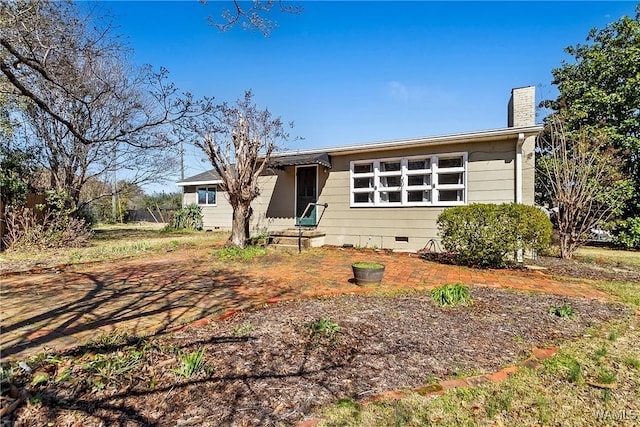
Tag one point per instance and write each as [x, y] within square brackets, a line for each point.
[519, 143]
[519, 167]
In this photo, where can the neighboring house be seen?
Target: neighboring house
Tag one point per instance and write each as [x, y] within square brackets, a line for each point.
[387, 194]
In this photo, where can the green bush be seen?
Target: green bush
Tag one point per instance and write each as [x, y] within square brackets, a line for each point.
[487, 234]
[189, 217]
[627, 233]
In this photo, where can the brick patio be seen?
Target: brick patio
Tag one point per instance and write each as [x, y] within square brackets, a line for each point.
[63, 307]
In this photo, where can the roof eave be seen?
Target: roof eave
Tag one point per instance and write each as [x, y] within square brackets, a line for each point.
[190, 183]
[459, 138]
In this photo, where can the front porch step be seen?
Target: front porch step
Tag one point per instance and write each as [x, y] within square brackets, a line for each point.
[287, 240]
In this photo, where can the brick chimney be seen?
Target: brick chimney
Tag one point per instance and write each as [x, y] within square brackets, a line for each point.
[522, 107]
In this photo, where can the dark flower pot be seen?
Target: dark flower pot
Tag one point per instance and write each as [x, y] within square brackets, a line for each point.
[367, 273]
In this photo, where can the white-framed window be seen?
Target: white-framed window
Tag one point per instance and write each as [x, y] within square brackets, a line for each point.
[206, 195]
[429, 180]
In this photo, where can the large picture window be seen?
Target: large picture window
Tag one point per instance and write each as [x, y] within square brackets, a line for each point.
[206, 195]
[435, 180]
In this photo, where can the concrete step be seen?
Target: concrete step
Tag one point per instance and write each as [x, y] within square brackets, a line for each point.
[293, 232]
[281, 240]
[285, 248]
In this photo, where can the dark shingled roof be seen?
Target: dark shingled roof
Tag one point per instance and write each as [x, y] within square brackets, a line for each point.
[279, 162]
[276, 162]
[210, 175]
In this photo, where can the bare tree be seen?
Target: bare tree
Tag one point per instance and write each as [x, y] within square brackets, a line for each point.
[47, 47]
[239, 144]
[145, 157]
[579, 173]
[252, 15]
[90, 112]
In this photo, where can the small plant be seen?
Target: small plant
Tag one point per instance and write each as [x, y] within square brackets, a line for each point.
[599, 353]
[564, 311]
[613, 335]
[244, 329]
[112, 367]
[6, 378]
[370, 265]
[190, 363]
[606, 377]
[323, 328]
[566, 366]
[632, 361]
[452, 295]
[189, 217]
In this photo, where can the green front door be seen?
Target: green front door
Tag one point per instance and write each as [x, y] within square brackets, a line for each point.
[306, 192]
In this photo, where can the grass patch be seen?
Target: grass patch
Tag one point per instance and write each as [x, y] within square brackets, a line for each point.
[451, 295]
[232, 253]
[617, 257]
[562, 390]
[112, 243]
[368, 265]
[627, 292]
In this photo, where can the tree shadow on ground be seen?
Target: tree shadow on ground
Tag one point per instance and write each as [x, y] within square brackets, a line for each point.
[141, 298]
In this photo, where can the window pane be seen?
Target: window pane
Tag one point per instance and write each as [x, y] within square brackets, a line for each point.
[363, 168]
[450, 196]
[419, 196]
[451, 162]
[363, 182]
[211, 196]
[363, 197]
[450, 178]
[415, 180]
[390, 166]
[417, 164]
[390, 181]
[390, 197]
[202, 196]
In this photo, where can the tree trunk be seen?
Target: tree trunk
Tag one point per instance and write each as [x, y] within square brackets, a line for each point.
[567, 246]
[239, 229]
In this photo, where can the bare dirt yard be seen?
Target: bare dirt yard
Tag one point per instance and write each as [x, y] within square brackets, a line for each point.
[276, 365]
[279, 364]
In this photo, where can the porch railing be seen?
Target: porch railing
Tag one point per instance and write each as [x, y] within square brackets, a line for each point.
[304, 214]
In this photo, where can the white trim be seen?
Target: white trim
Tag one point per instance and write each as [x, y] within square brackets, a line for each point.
[198, 183]
[206, 187]
[295, 188]
[434, 172]
[458, 138]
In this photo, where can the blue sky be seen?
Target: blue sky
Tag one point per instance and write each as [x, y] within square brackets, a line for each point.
[355, 72]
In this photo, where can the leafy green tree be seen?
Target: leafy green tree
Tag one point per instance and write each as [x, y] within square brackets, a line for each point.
[163, 200]
[16, 167]
[600, 91]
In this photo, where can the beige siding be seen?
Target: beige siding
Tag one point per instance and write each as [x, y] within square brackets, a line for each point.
[216, 217]
[490, 179]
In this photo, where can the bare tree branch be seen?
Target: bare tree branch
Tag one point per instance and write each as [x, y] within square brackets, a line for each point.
[252, 15]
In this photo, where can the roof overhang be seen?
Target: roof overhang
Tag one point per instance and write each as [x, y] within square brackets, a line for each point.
[190, 183]
[282, 161]
[459, 138]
